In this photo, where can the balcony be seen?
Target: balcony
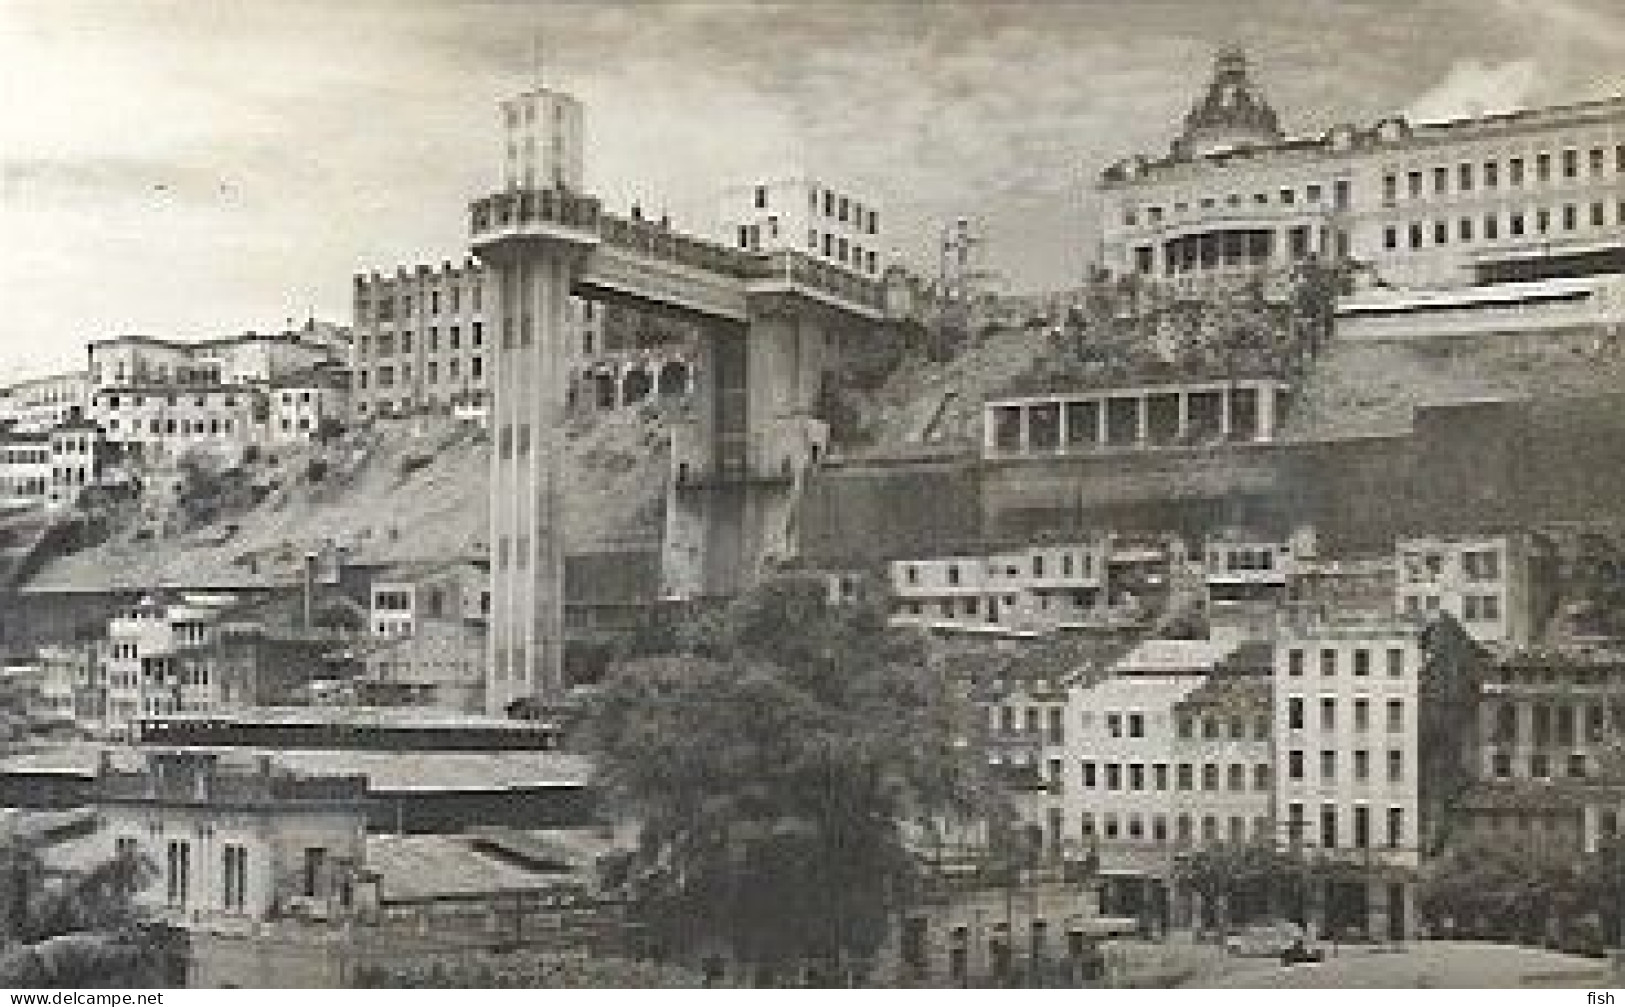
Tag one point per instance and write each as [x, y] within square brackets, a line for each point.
[527, 209]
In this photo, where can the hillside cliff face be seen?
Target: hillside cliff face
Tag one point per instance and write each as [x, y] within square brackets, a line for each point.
[408, 491]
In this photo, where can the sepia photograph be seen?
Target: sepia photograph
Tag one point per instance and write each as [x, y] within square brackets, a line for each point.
[1108, 495]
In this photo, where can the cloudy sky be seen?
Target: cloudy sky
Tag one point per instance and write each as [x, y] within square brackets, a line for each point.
[191, 167]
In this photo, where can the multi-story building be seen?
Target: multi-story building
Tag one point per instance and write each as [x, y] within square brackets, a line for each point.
[440, 664]
[253, 358]
[1138, 792]
[1485, 582]
[206, 654]
[164, 420]
[1519, 195]
[79, 452]
[25, 467]
[308, 405]
[542, 136]
[409, 593]
[42, 403]
[1373, 720]
[1551, 714]
[420, 346]
[804, 215]
[1040, 586]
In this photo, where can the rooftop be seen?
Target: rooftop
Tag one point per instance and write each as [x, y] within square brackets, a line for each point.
[1143, 691]
[1163, 657]
[424, 868]
[386, 771]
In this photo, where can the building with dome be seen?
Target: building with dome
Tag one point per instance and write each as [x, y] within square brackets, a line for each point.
[1528, 195]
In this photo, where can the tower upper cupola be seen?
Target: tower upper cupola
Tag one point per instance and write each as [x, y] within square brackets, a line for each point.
[1231, 115]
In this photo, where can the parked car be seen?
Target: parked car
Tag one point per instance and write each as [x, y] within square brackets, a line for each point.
[1265, 941]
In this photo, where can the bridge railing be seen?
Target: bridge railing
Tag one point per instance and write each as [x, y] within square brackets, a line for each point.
[561, 208]
[802, 270]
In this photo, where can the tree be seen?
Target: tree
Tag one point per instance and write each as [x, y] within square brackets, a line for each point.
[525, 970]
[1232, 876]
[772, 762]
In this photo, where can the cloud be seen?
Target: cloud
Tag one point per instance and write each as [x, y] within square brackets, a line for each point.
[1473, 88]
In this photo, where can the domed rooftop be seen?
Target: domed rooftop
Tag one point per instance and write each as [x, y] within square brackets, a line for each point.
[1232, 114]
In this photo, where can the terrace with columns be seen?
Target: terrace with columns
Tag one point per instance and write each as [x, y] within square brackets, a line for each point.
[1191, 414]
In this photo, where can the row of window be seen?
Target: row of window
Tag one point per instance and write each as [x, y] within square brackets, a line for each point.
[137, 401]
[1361, 720]
[1476, 565]
[834, 206]
[1155, 829]
[1312, 194]
[386, 341]
[1136, 776]
[1518, 225]
[1575, 765]
[383, 308]
[25, 456]
[1357, 832]
[1070, 565]
[1359, 765]
[1467, 176]
[1474, 607]
[385, 376]
[1215, 727]
[1549, 724]
[213, 428]
[1296, 659]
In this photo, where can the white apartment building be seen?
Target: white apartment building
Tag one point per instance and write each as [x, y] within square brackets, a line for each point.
[302, 406]
[166, 420]
[25, 467]
[1035, 588]
[410, 594]
[804, 215]
[1484, 581]
[1348, 779]
[42, 403]
[252, 358]
[1523, 195]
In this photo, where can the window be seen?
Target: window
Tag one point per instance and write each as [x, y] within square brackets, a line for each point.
[234, 881]
[1328, 662]
[1362, 765]
[1571, 164]
[1328, 714]
[1160, 773]
[1464, 229]
[1492, 174]
[1492, 227]
[1413, 184]
[1136, 776]
[315, 862]
[1183, 726]
[1114, 724]
[761, 197]
[1390, 188]
[1136, 725]
[1441, 233]
[1396, 662]
[1415, 235]
[1362, 715]
[1441, 181]
[1185, 776]
[1210, 776]
[1114, 776]
[1543, 167]
[1328, 765]
[1236, 777]
[1396, 827]
[1515, 171]
[1362, 663]
[178, 872]
[1577, 765]
[1328, 826]
[1088, 775]
[1294, 663]
[1396, 766]
[1390, 237]
[1396, 716]
[1294, 713]
[1362, 826]
[1261, 776]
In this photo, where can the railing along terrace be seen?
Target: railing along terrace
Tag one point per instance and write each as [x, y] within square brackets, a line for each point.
[535, 206]
[803, 270]
[184, 788]
[662, 242]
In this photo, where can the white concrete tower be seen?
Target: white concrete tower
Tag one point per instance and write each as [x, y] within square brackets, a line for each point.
[530, 271]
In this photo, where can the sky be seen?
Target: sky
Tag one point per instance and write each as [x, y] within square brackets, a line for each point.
[189, 168]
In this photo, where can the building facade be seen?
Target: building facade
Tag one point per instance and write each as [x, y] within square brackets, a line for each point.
[42, 403]
[1485, 582]
[1521, 195]
[804, 215]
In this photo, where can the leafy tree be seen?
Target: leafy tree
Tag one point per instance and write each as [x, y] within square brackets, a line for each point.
[526, 970]
[773, 761]
[1231, 876]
